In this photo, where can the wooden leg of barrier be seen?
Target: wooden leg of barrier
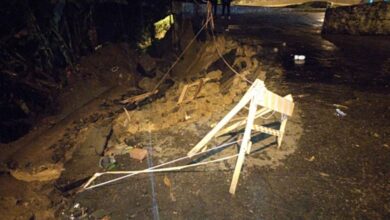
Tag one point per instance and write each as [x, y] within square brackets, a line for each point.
[241, 123]
[281, 130]
[248, 151]
[244, 145]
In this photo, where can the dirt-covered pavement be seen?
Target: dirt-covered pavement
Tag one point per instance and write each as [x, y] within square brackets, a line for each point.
[330, 166]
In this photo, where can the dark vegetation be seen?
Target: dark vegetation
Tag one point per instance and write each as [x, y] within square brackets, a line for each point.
[42, 42]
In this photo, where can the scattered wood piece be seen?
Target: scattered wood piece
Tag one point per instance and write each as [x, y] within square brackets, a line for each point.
[311, 159]
[302, 95]
[167, 182]
[127, 115]
[182, 94]
[324, 174]
[199, 83]
[138, 154]
[340, 106]
[138, 98]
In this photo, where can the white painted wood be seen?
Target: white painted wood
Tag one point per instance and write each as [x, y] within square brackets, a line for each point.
[244, 145]
[272, 101]
[266, 130]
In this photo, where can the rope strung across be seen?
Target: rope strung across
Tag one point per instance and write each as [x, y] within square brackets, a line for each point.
[153, 169]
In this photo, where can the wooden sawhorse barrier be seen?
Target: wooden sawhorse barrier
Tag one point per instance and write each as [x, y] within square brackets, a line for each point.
[257, 95]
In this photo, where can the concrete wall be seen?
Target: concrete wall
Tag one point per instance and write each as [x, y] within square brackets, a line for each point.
[279, 3]
[367, 19]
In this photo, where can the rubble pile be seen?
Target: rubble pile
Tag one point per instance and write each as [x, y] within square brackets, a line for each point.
[210, 102]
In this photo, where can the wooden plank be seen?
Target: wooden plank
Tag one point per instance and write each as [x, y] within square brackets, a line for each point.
[198, 83]
[201, 82]
[244, 100]
[248, 150]
[281, 131]
[138, 98]
[272, 101]
[283, 124]
[182, 94]
[266, 130]
[244, 145]
[241, 123]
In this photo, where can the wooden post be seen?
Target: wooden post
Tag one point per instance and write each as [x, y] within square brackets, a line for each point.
[248, 151]
[281, 130]
[244, 145]
[283, 124]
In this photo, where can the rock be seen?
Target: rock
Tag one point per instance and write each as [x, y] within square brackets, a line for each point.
[96, 137]
[44, 173]
[158, 149]
[217, 74]
[117, 149]
[372, 19]
[146, 66]
[147, 84]
[227, 100]
[138, 154]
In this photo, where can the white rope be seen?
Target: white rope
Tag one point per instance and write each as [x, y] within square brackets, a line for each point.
[86, 186]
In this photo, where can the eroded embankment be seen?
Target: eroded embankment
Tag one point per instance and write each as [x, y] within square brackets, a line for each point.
[161, 125]
[168, 129]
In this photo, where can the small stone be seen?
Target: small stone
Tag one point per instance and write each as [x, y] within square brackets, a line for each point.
[147, 83]
[217, 74]
[146, 66]
[98, 214]
[138, 154]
